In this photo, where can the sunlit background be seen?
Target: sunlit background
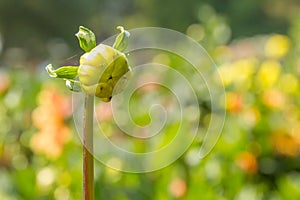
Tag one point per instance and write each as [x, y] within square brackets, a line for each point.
[255, 44]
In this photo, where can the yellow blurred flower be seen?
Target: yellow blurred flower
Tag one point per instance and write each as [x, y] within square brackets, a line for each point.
[268, 73]
[288, 83]
[244, 69]
[277, 46]
[295, 133]
[239, 71]
[225, 72]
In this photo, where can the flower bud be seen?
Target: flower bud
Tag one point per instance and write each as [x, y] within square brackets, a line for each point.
[101, 69]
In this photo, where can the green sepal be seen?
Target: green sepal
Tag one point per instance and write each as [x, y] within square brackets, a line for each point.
[73, 85]
[86, 38]
[121, 41]
[67, 72]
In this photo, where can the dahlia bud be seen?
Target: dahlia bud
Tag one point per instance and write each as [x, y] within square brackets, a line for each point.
[101, 69]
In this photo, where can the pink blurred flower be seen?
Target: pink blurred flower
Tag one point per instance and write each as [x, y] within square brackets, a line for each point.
[178, 187]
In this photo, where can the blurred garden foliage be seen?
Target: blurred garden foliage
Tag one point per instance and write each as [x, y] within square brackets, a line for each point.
[256, 46]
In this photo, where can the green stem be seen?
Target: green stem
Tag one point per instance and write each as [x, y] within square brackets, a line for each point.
[88, 159]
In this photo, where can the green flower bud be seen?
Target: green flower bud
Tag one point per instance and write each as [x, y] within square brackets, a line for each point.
[101, 69]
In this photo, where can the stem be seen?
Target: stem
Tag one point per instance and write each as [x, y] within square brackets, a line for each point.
[88, 159]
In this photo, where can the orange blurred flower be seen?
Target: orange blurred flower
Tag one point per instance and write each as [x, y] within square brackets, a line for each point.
[49, 117]
[4, 82]
[234, 102]
[61, 104]
[50, 142]
[247, 162]
[285, 144]
[178, 187]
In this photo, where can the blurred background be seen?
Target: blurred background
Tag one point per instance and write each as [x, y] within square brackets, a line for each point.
[255, 44]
